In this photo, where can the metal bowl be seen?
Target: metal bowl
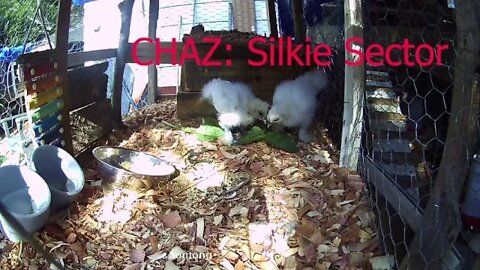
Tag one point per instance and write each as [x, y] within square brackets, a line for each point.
[126, 168]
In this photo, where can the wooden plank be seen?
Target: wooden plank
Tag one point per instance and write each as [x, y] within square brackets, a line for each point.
[408, 135]
[392, 192]
[401, 146]
[152, 69]
[93, 121]
[383, 93]
[353, 91]
[79, 58]
[122, 54]
[384, 108]
[441, 222]
[381, 125]
[387, 116]
[298, 20]
[398, 169]
[377, 83]
[272, 18]
[36, 58]
[61, 50]
[194, 77]
[87, 85]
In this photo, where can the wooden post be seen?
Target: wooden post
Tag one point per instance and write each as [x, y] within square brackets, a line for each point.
[354, 88]
[126, 14]
[272, 18]
[152, 69]
[441, 222]
[297, 11]
[61, 50]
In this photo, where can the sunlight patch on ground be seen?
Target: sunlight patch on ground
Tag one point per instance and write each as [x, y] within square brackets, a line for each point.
[117, 206]
[205, 175]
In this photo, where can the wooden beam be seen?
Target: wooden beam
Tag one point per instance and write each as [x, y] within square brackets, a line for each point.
[122, 52]
[392, 193]
[354, 88]
[63, 24]
[441, 222]
[298, 20]
[152, 33]
[79, 58]
[272, 18]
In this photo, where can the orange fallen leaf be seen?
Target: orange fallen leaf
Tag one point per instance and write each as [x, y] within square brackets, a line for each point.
[153, 243]
[171, 220]
[77, 247]
[307, 249]
[239, 265]
[257, 167]
[71, 238]
[306, 228]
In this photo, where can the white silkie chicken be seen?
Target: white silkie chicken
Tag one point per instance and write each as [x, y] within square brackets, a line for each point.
[295, 102]
[236, 105]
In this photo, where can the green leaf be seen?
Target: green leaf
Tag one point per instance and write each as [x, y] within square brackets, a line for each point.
[254, 135]
[209, 133]
[281, 141]
[189, 130]
[2, 159]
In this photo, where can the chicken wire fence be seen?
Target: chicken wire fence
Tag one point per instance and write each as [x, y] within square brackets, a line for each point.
[327, 27]
[25, 27]
[407, 112]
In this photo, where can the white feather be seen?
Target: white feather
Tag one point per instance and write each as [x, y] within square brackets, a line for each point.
[235, 103]
[295, 102]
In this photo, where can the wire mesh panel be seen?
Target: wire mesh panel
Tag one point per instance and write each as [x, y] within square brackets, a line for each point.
[408, 107]
[326, 27]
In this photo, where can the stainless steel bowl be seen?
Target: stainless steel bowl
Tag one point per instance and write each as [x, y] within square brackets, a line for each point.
[126, 168]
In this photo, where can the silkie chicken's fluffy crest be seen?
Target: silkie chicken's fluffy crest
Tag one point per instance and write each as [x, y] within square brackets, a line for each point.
[295, 101]
[234, 101]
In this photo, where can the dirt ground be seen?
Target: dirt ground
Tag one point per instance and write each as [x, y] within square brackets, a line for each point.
[229, 207]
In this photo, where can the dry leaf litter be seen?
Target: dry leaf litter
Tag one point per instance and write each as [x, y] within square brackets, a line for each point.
[230, 207]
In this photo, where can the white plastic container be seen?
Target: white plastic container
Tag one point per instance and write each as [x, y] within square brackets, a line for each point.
[61, 172]
[26, 197]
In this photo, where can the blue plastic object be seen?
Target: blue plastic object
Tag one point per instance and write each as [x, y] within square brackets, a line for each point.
[47, 124]
[81, 2]
[10, 54]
